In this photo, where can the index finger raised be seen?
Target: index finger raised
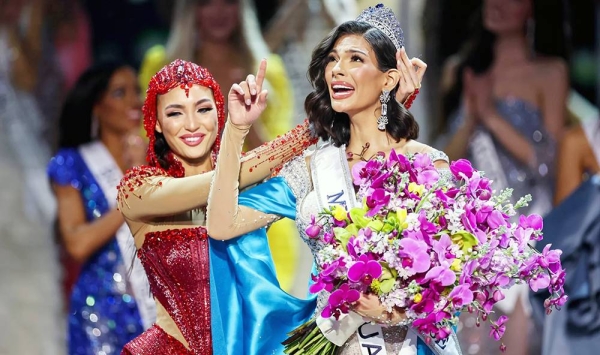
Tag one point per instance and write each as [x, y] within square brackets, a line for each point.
[260, 75]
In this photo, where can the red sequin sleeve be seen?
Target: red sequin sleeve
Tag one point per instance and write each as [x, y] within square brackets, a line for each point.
[268, 159]
[147, 192]
[225, 218]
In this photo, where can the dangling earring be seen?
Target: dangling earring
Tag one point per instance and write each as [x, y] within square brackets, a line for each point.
[95, 127]
[382, 121]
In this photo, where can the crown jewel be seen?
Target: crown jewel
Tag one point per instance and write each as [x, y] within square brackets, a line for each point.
[383, 19]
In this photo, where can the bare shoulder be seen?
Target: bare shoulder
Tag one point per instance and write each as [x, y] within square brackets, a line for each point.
[551, 70]
[413, 147]
[574, 139]
[440, 159]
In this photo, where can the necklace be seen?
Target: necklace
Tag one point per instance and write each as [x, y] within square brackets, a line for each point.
[350, 155]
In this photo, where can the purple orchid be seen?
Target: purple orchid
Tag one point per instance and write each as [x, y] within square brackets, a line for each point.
[550, 259]
[321, 283]
[498, 328]
[376, 201]
[400, 161]
[313, 230]
[440, 274]
[533, 221]
[363, 172]
[427, 228]
[422, 162]
[427, 303]
[442, 249]
[539, 281]
[352, 247]
[462, 169]
[461, 295]
[340, 301]
[495, 219]
[365, 270]
[415, 256]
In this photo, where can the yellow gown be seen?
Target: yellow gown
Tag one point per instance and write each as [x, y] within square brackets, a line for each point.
[276, 120]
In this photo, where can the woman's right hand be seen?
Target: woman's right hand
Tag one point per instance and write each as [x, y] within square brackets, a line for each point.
[247, 100]
[369, 306]
[412, 71]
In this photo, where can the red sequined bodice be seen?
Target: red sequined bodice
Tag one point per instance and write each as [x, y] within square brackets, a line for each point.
[177, 265]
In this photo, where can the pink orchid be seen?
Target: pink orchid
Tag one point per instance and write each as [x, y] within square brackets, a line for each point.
[364, 270]
[498, 328]
[415, 257]
[461, 169]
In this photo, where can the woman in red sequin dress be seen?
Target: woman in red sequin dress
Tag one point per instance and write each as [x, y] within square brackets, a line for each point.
[164, 205]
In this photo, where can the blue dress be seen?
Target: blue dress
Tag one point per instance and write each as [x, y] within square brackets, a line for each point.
[261, 311]
[103, 315]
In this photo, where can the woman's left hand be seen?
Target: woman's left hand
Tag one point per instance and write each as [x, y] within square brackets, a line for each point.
[412, 71]
[480, 87]
[369, 306]
[247, 100]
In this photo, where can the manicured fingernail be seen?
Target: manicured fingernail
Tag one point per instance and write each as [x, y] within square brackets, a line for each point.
[248, 102]
[253, 92]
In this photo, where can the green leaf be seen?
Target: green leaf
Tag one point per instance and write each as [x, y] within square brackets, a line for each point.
[385, 286]
[352, 228]
[465, 240]
[342, 235]
[376, 225]
[358, 217]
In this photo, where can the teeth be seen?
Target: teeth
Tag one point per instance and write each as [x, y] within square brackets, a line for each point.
[192, 139]
[342, 87]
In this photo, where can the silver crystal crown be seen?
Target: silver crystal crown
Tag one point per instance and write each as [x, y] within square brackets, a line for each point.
[383, 18]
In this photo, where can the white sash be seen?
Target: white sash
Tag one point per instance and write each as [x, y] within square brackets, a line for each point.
[333, 185]
[108, 175]
[486, 159]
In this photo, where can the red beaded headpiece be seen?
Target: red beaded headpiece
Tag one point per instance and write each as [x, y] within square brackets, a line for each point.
[183, 74]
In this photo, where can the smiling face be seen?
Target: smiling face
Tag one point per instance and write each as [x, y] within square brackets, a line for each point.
[506, 16]
[217, 19]
[189, 123]
[353, 76]
[119, 108]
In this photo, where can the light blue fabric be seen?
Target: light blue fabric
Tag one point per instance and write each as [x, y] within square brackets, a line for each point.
[261, 310]
[256, 313]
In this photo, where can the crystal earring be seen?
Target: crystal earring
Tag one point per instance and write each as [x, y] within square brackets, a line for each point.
[382, 121]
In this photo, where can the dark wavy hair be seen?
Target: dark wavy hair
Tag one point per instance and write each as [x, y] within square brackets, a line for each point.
[75, 122]
[329, 124]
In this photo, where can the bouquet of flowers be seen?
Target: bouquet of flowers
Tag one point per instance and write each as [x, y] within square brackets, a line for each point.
[429, 243]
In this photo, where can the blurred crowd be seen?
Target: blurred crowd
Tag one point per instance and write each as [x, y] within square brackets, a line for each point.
[511, 85]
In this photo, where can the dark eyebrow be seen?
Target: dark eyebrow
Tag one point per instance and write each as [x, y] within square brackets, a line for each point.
[357, 51]
[351, 51]
[179, 106]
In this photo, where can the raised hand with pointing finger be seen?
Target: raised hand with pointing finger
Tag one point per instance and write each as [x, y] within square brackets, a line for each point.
[247, 100]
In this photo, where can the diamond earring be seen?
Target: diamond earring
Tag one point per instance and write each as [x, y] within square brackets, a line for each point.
[382, 121]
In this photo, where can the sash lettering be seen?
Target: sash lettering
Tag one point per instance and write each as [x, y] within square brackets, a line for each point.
[370, 338]
[335, 199]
